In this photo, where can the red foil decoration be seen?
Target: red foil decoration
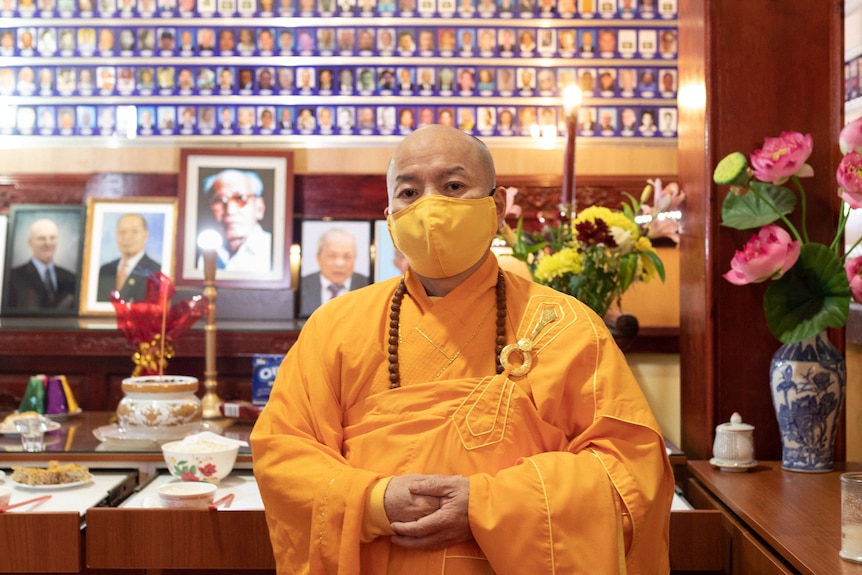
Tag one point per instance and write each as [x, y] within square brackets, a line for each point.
[143, 322]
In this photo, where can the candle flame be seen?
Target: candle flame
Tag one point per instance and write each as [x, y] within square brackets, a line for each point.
[572, 97]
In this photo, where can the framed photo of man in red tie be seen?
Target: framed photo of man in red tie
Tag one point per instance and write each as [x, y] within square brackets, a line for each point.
[42, 262]
[336, 259]
[126, 241]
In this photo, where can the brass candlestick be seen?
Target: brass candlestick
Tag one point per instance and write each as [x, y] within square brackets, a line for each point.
[208, 242]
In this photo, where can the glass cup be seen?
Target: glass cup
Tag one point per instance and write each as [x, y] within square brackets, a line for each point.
[851, 517]
[32, 432]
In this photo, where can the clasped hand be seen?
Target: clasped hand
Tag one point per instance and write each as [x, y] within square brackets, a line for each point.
[428, 511]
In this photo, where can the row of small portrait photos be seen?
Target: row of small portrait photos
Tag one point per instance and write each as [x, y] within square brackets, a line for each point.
[467, 42]
[146, 120]
[607, 9]
[461, 81]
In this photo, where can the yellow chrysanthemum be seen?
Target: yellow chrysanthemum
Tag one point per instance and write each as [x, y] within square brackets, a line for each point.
[553, 266]
[612, 218]
[643, 244]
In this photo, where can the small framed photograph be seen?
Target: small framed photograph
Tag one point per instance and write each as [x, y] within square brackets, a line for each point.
[388, 261]
[335, 259]
[127, 240]
[42, 264]
[246, 196]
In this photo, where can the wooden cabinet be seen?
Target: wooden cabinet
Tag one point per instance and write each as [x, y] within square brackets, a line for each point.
[178, 539]
[138, 539]
[775, 522]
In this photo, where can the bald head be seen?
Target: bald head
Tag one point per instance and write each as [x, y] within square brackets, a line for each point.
[446, 151]
[43, 239]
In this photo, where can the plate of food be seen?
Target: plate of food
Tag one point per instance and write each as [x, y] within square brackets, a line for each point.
[50, 486]
[56, 476]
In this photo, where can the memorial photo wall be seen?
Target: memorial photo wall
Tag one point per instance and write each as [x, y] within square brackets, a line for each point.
[154, 68]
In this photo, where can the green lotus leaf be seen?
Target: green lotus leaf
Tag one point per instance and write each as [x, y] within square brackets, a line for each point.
[813, 295]
[743, 212]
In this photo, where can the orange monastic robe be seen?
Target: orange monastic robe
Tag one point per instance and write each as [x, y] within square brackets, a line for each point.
[568, 470]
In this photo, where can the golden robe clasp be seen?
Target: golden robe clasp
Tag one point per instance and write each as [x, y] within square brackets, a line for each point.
[525, 344]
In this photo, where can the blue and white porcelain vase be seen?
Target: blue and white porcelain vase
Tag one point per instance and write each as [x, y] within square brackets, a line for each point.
[808, 380]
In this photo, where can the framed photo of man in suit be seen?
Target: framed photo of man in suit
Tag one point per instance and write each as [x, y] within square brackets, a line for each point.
[126, 241]
[335, 259]
[246, 196]
[43, 260]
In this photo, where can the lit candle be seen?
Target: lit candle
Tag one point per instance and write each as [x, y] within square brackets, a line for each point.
[295, 257]
[571, 100]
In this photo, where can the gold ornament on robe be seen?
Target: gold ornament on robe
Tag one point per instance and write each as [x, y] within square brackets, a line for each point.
[525, 345]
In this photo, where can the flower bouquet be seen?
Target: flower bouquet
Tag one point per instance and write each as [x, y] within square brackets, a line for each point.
[602, 252]
[152, 325]
[811, 285]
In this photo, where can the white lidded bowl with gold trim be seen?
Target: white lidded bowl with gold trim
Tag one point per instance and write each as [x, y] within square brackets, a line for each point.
[159, 407]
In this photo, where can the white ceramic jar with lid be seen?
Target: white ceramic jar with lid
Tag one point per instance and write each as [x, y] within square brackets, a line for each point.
[159, 407]
[733, 449]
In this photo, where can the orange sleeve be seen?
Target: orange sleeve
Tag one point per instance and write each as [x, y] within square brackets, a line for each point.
[376, 523]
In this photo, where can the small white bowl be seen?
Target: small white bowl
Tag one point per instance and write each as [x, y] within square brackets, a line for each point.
[200, 461]
[5, 496]
[187, 495]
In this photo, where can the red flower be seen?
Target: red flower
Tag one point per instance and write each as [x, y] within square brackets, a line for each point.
[208, 470]
[594, 232]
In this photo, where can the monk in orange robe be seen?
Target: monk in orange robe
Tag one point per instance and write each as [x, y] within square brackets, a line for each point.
[400, 438]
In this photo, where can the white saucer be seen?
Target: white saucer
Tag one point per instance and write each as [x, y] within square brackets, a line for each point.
[733, 466]
[114, 432]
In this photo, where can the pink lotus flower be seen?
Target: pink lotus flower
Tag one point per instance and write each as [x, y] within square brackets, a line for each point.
[783, 157]
[849, 177]
[767, 255]
[853, 267]
[850, 138]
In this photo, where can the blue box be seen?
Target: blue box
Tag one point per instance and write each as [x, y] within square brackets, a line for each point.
[264, 368]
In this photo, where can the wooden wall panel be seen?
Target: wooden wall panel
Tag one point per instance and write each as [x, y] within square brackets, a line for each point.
[748, 70]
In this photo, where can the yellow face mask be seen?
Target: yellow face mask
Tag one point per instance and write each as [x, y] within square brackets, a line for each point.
[442, 236]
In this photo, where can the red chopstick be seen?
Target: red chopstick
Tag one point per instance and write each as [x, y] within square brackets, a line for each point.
[227, 499]
[20, 503]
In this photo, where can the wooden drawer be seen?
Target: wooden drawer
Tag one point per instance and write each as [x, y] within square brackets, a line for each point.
[695, 541]
[178, 539]
[40, 542]
[46, 537]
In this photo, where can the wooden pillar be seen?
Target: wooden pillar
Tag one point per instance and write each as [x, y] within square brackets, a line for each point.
[747, 70]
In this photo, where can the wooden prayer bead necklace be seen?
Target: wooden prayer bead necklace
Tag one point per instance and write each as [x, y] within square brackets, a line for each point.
[395, 321]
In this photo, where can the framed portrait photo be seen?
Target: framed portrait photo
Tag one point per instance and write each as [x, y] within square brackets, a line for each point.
[388, 261]
[126, 241]
[246, 196]
[336, 258]
[43, 260]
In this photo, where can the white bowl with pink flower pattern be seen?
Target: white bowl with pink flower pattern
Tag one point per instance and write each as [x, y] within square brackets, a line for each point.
[204, 460]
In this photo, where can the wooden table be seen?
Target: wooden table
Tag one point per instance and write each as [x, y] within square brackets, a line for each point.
[795, 516]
